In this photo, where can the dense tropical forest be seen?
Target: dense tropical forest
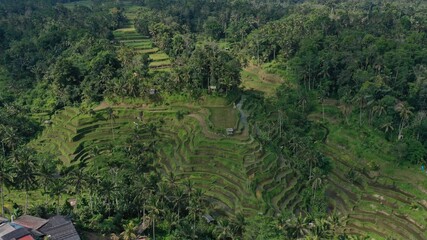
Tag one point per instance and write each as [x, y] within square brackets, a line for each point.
[226, 119]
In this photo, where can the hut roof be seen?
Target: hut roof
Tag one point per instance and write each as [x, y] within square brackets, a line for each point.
[60, 228]
[5, 229]
[18, 234]
[208, 218]
[30, 221]
[3, 220]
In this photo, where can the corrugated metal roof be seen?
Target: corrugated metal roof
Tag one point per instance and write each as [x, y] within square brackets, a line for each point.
[2, 220]
[16, 234]
[5, 229]
[31, 221]
[60, 228]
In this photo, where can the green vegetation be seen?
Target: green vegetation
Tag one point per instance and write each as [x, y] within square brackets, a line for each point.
[299, 120]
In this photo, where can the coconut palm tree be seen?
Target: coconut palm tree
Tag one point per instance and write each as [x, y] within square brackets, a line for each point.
[9, 138]
[7, 174]
[111, 117]
[346, 110]
[113, 236]
[154, 212]
[179, 197]
[223, 230]
[238, 225]
[152, 130]
[317, 181]
[26, 173]
[129, 232]
[77, 178]
[379, 109]
[196, 206]
[405, 112]
[47, 171]
[387, 127]
[321, 229]
[361, 99]
[57, 187]
[297, 227]
[106, 191]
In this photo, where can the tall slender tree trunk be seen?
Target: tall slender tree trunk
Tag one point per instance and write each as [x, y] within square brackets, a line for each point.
[26, 201]
[112, 129]
[194, 225]
[154, 229]
[401, 127]
[57, 204]
[2, 198]
[77, 201]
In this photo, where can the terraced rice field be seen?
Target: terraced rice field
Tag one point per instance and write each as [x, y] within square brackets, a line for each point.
[384, 202]
[129, 37]
[233, 170]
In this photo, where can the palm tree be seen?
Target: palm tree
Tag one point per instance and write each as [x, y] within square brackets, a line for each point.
[346, 110]
[93, 181]
[152, 130]
[321, 229]
[179, 197]
[47, 171]
[223, 230]
[238, 225]
[76, 176]
[172, 181]
[106, 190]
[317, 181]
[196, 206]
[154, 211]
[26, 171]
[57, 188]
[388, 126]
[113, 236]
[405, 112]
[361, 100]
[111, 117]
[303, 100]
[335, 221]
[9, 138]
[379, 109]
[2, 137]
[7, 174]
[172, 219]
[129, 231]
[297, 227]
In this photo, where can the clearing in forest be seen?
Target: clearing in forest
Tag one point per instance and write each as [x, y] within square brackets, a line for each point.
[256, 78]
